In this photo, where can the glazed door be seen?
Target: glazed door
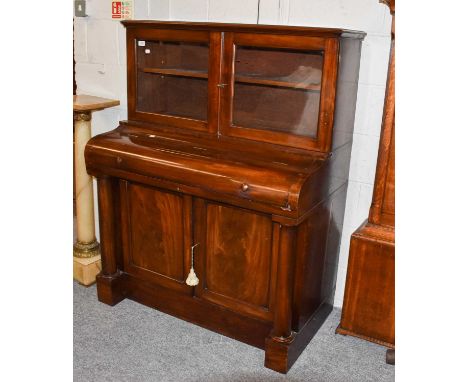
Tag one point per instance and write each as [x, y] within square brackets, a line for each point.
[173, 77]
[279, 89]
[157, 235]
[236, 258]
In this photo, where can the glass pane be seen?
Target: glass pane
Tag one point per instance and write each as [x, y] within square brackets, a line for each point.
[173, 78]
[277, 90]
[172, 95]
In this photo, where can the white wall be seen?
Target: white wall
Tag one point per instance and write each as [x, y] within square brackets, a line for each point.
[100, 70]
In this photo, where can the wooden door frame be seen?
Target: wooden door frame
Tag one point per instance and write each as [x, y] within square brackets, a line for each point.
[330, 48]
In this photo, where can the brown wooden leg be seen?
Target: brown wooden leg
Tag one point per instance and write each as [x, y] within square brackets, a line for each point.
[277, 345]
[109, 285]
[390, 357]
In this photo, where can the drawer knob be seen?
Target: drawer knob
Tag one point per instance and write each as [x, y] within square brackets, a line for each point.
[245, 187]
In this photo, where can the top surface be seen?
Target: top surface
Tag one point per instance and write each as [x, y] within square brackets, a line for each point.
[85, 102]
[252, 28]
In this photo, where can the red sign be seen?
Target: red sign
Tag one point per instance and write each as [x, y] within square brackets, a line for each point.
[116, 9]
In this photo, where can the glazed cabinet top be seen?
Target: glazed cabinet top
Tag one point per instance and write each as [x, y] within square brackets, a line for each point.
[256, 116]
[271, 84]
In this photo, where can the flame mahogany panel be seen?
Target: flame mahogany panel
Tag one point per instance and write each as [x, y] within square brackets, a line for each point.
[238, 260]
[154, 233]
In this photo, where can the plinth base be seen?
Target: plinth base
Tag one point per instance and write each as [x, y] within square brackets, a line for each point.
[86, 269]
[369, 303]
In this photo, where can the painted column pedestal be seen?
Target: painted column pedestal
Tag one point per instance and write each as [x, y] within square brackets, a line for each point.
[86, 251]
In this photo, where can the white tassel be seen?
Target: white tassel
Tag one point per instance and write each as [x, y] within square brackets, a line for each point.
[192, 278]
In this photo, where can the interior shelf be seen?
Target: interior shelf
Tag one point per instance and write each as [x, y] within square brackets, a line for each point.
[176, 72]
[279, 82]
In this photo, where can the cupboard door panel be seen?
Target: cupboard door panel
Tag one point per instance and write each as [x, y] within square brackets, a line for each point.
[155, 235]
[238, 260]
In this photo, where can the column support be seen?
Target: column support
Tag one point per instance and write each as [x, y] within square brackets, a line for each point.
[86, 250]
[107, 226]
[109, 285]
[86, 244]
[281, 337]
